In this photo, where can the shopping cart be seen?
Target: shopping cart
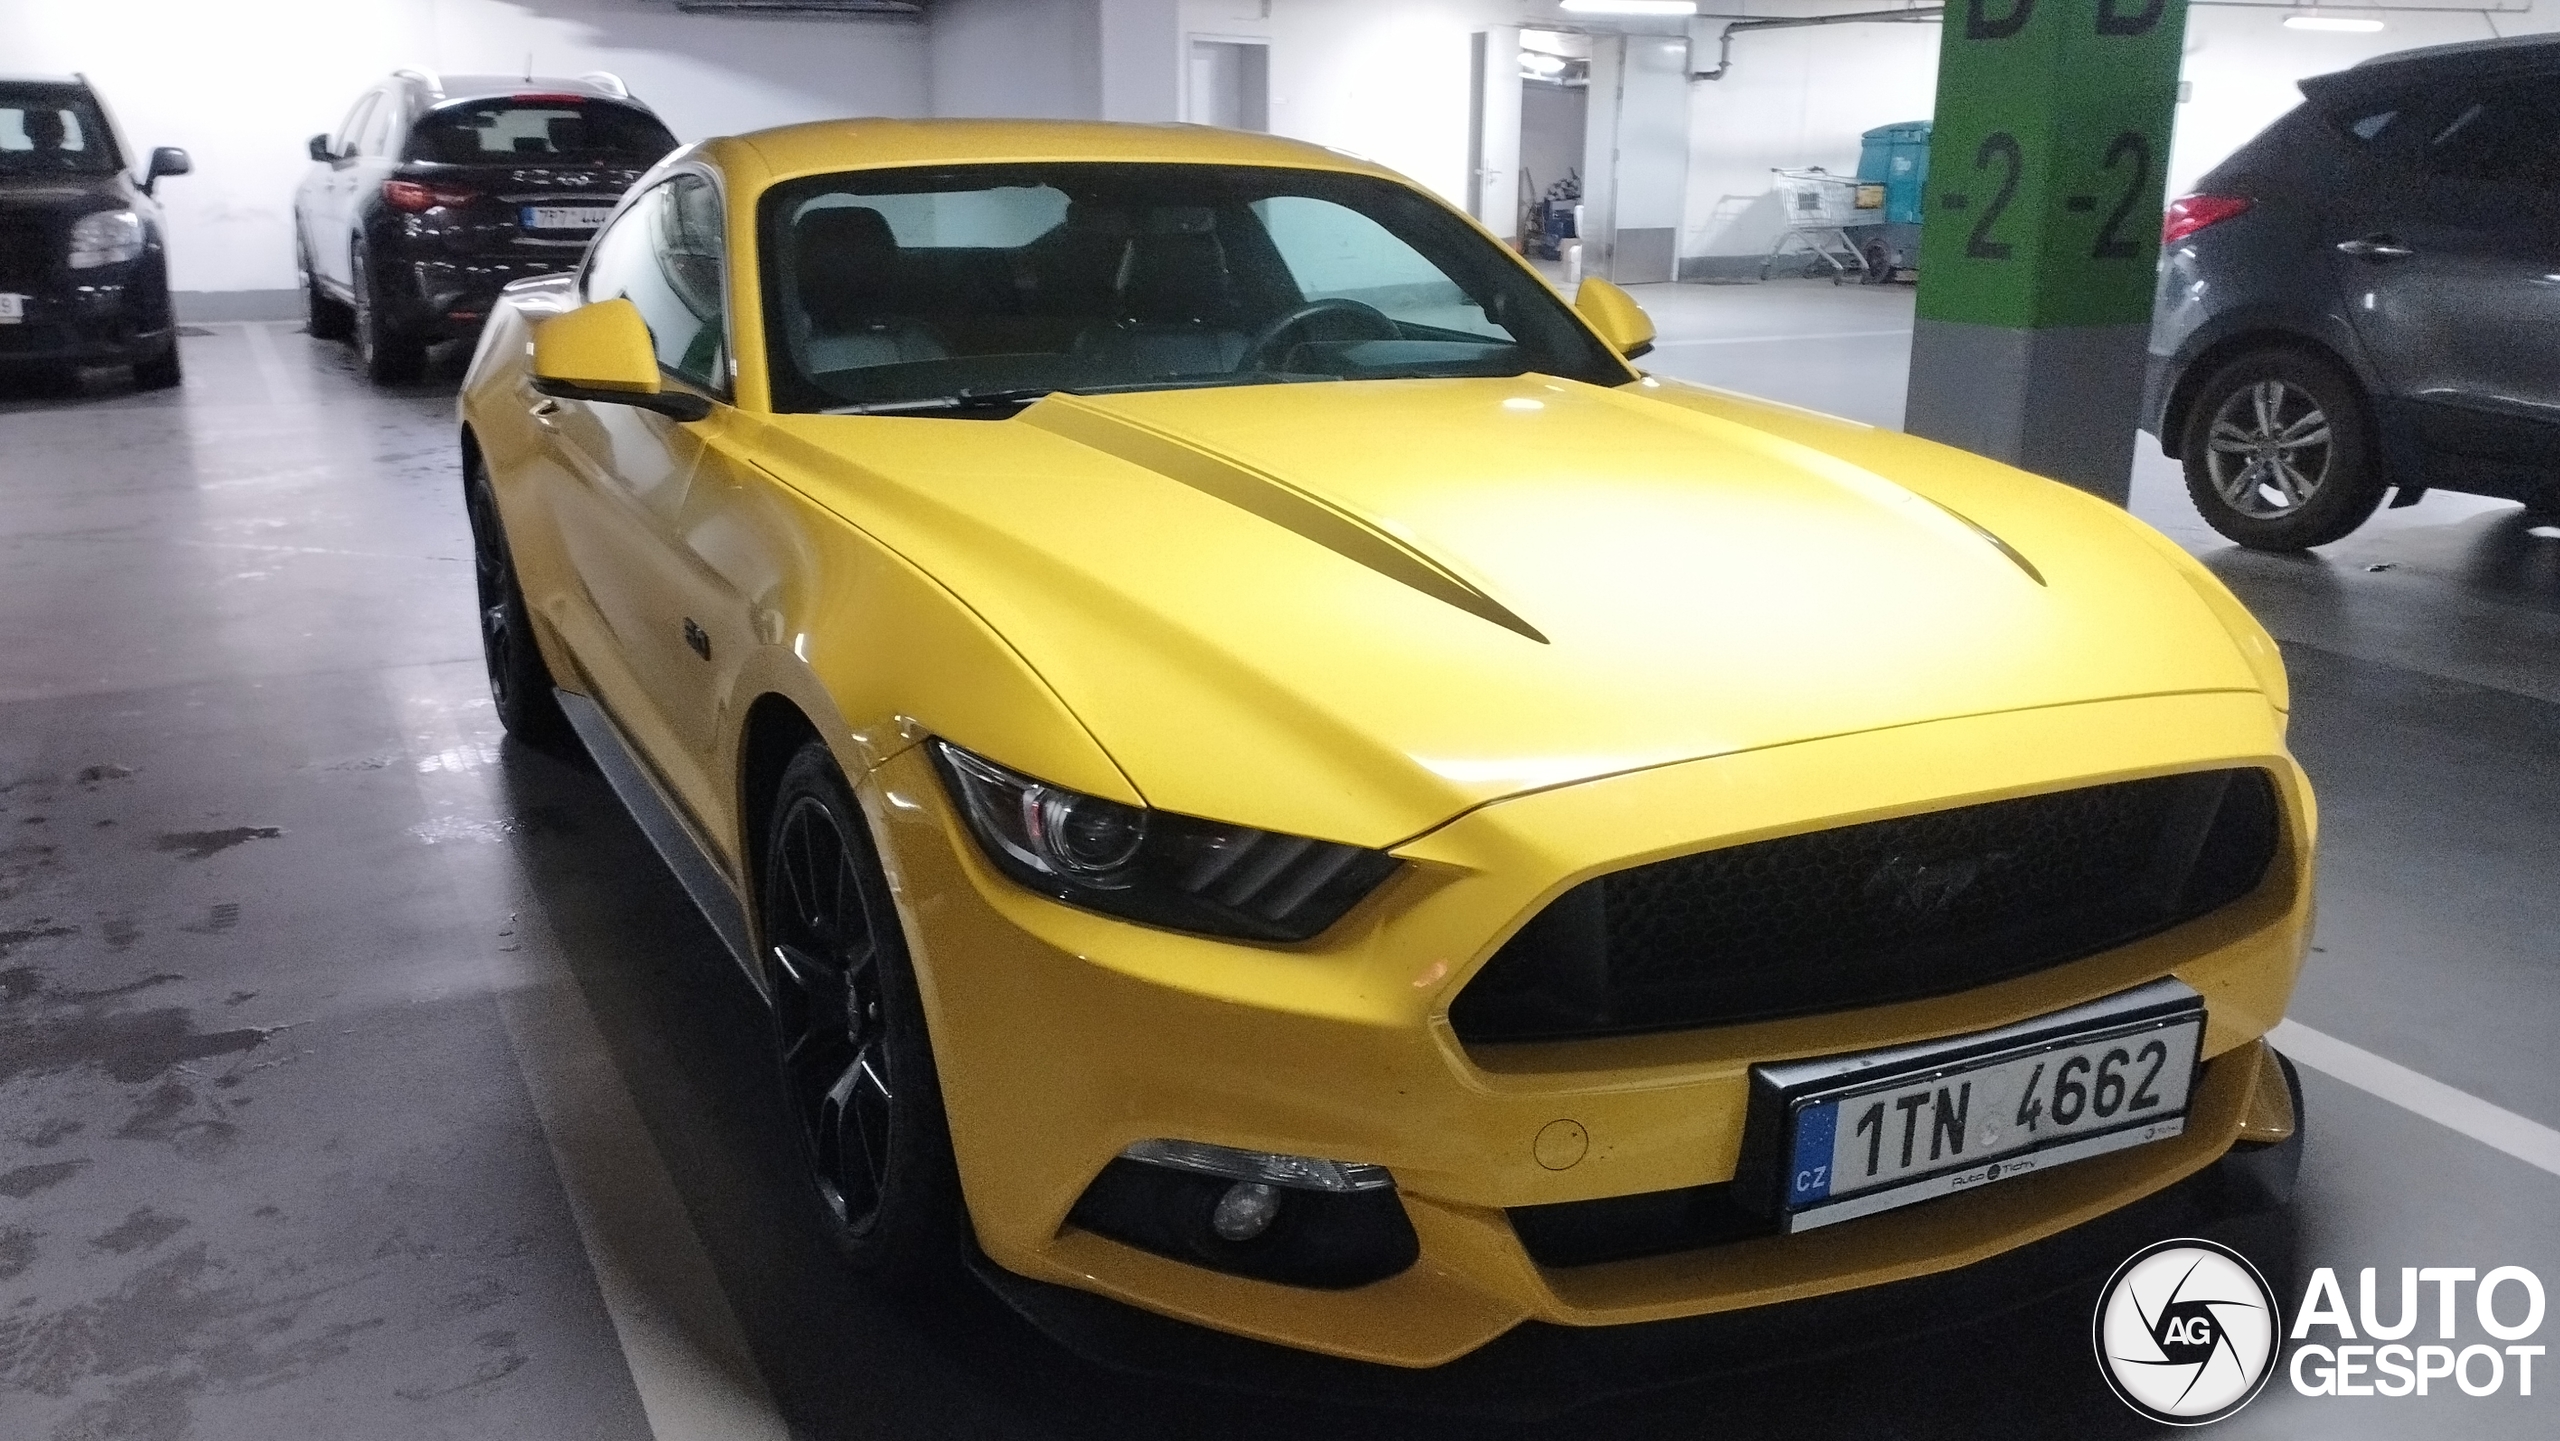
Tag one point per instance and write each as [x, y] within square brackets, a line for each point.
[1819, 207]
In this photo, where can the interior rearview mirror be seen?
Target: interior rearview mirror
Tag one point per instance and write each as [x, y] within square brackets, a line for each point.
[167, 160]
[320, 150]
[601, 353]
[1617, 317]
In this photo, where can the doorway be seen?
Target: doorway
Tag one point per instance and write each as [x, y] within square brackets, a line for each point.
[1555, 119]
[1230, 84]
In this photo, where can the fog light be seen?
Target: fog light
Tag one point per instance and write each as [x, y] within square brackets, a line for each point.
[1245, 1211]
[1296, 1220]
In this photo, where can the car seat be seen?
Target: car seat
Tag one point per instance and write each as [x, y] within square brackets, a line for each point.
[846, 269]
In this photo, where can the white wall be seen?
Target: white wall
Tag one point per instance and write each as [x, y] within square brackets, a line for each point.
[242, 83]
[1019, 59]
[1794, 98]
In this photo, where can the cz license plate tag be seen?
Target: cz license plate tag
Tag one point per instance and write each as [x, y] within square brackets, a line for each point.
[1846, 1136]
[13, 308]
[565, 217]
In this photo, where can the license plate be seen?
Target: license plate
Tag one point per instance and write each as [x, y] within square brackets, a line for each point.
[565, 217]
[13, 308]
[1846, 1136]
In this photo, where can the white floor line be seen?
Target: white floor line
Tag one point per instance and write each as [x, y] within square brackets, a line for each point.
[1781, 339]
[2531, 1142]
[687, 1356]
[271, 372]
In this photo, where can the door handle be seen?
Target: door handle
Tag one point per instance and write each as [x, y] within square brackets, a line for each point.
[544, 409]
[2375, 247]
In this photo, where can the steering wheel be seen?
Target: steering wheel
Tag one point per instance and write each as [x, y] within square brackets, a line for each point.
[1257, 351]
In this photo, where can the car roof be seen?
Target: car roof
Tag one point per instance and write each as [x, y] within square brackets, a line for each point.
[868, 144]
[67, 82]
[2529, 49]
[441, 89]
[2471, 60]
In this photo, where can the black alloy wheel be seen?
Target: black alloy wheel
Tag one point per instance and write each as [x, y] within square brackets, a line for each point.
[2278, 452]
[519, 682]
[857, 1072]
[324, 316]
[388, 354]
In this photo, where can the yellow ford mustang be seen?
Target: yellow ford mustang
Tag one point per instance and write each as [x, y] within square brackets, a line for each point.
[1268, 774]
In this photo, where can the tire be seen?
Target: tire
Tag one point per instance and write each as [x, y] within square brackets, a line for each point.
[2279, 452]
[388, 354]
[161, 372]
[856, 1069]
[520, 684]
[325, 317]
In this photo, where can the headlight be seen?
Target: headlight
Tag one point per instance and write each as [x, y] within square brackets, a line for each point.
[109, 237]
[1179, 872]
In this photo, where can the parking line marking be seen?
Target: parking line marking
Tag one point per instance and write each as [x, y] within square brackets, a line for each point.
[271, 371]
[1780, 339]
[687, 1356]
[2528, 1141]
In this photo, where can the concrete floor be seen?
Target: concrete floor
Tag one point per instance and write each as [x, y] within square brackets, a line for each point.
[362, 1077]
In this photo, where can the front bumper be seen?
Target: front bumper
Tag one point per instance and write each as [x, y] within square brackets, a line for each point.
[112, 317]
[1062, 1037]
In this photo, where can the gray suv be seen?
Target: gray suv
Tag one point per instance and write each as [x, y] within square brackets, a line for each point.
[2365, 299]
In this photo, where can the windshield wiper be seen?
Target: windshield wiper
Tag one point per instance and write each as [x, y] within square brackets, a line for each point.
[957, 400]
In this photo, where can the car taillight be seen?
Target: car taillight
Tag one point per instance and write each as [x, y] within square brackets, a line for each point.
[2191, 213]
[413, 197]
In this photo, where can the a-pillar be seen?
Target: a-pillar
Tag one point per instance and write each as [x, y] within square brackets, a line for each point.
[2036, 265]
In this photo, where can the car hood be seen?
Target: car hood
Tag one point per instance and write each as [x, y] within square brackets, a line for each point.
[1356, 609]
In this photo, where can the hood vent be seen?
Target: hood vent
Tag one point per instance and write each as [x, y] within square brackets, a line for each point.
[1341, 531]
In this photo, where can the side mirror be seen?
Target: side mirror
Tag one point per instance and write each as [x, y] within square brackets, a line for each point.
[167, 160]
[321, 152]
[602, 353]
[1617, 317]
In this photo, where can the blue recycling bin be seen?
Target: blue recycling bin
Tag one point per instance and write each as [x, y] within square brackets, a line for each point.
[1897, 158]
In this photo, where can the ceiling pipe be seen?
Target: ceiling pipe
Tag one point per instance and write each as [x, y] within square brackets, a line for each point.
[1724, 43]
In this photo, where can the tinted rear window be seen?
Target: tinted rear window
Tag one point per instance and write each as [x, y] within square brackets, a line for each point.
[476, 132]
[53, 130]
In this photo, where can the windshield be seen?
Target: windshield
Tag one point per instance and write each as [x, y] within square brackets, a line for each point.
[920, 290]
[53, 130]
[545, 128]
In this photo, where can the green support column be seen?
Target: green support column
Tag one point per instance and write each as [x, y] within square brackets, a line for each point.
[2045, 179]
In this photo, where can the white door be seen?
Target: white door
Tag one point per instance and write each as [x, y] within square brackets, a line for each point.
[1493, 131]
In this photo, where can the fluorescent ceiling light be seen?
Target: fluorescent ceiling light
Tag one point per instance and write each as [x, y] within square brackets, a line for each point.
[2345, 24]
[1630, 7]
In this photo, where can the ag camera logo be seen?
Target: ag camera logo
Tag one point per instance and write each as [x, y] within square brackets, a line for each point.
[2186, 1332]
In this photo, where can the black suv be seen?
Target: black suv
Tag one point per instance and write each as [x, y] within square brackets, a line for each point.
[2367, 297]
[84, 275]
[437, 191]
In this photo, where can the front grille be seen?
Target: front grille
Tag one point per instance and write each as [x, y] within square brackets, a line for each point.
[1888, 911]
[1628, 1228]
[29, 250]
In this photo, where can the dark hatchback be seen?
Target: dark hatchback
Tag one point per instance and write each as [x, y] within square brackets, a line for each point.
[2366, 299]
[437, 191]
[84, 268]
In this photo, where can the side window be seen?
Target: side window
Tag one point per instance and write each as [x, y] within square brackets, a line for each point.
[1335, 252]
[377, 127]
[2506, 135]
[344, 142]
[665, 255]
